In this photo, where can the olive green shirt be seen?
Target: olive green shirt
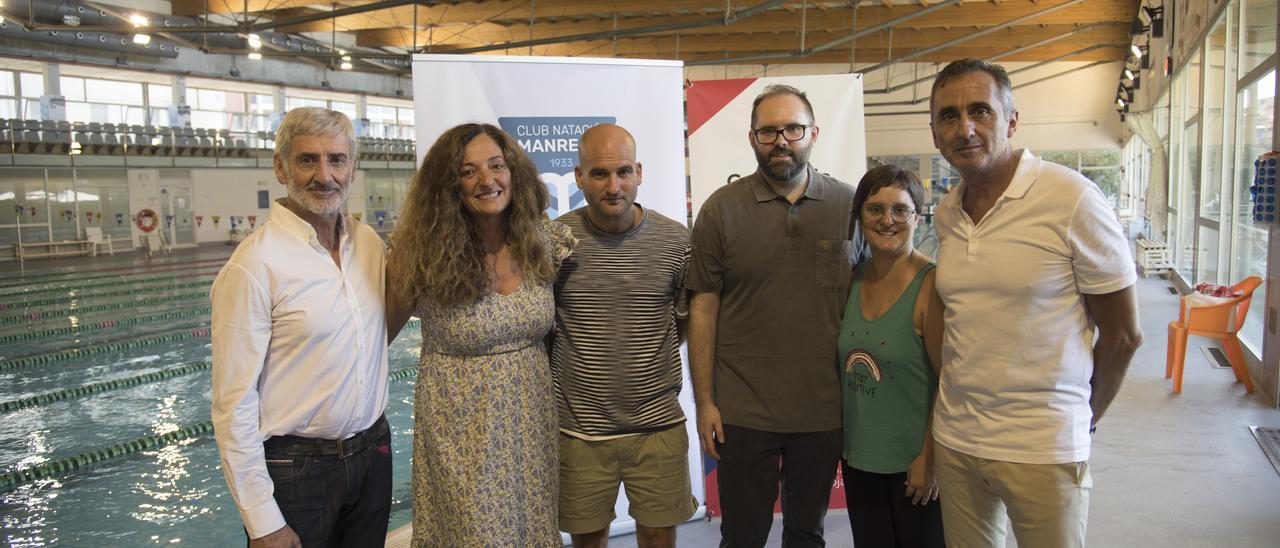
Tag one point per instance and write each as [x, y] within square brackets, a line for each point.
[782, 272]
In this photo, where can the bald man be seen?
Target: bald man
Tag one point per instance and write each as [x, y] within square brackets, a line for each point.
[621, 309]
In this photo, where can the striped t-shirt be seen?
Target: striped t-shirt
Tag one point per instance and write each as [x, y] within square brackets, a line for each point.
[616, 354]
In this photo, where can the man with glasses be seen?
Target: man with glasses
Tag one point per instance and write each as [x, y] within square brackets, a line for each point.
[772, 257]
[1030, 261]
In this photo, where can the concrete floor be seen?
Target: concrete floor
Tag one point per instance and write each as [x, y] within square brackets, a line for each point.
[1169, 470]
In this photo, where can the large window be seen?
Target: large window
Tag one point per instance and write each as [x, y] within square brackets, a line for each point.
[1102, 166]
[218, 109]
[1258, 39]
[1249, 240]
[103, 101]
[30, 87]
[159, 98]
[8, 94]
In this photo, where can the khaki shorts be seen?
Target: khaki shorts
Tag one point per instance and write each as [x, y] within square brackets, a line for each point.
[654, 467]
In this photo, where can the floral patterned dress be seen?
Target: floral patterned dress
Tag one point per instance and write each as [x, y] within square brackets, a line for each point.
[485, 452]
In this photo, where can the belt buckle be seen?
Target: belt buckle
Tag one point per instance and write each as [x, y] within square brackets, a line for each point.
[350, 446]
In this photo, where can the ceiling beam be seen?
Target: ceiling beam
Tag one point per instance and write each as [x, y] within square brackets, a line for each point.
[967, 14]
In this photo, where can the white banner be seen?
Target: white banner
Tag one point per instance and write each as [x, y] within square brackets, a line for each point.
[720, 118]
[546, 103]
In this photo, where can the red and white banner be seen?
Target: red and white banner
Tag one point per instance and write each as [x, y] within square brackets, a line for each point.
[719, 115]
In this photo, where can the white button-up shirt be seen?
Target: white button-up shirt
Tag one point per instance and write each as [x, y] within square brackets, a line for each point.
[299, 348]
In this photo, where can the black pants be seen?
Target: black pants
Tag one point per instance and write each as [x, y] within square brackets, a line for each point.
[334, 500]
[881, 514]
[748, 476]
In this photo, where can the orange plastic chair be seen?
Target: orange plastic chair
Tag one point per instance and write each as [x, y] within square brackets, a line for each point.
[1219, 321]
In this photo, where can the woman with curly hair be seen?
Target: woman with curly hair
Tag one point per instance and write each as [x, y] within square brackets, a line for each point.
[474, 255]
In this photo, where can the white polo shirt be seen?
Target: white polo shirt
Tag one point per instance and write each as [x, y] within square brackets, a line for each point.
[1017, 351]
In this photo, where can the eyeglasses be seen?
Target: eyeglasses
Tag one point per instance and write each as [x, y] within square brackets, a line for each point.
[899, 213]
[769, 135]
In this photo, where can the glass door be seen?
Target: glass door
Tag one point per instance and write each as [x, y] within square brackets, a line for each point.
[176, 216]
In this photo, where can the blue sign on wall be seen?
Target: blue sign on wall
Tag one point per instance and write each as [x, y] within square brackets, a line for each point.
[264, 200]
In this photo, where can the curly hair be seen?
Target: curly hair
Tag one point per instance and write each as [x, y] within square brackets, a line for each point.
[438, 248]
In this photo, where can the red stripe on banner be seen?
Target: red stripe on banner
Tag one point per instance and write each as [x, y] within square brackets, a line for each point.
[706, 97]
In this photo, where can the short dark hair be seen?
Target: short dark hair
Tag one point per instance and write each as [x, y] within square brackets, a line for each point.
[962, 67]
[773, 90]
[888, 175]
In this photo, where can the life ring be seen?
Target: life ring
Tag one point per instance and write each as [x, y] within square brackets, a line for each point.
[147, 220]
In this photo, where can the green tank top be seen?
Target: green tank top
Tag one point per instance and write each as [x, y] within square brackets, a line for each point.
[887, 382]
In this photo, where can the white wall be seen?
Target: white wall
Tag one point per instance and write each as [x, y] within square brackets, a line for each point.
[1073, 111]
[1070, 112]
[227, 192]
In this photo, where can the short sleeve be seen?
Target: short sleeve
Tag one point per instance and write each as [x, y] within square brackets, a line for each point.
[1100, 255]
[706, 265]
[559, 240]
[680, 295]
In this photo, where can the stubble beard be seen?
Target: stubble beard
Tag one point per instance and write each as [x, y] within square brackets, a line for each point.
[298, 194]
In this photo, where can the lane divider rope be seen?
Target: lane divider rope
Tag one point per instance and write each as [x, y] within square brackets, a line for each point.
[86, 460]
[104, 325]
[27, 292]
[147, 378]
[130, 270]
[63, 355]
[99, 387]
[107, 294]
[53, 314]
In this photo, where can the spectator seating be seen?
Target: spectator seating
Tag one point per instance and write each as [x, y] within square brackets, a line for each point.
[18, 136]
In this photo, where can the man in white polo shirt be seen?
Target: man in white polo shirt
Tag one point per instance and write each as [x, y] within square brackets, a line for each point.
[1031, 260]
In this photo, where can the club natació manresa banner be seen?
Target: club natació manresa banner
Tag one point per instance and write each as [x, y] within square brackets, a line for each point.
[545, 104]
[720, 151]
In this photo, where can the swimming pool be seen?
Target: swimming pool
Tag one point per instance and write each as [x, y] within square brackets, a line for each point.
[129, 330]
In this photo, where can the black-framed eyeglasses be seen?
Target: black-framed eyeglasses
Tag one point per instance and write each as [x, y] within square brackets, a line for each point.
[769, 135]
[899, 213]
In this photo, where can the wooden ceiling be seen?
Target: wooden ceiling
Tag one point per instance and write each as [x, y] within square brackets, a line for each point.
[712, 31]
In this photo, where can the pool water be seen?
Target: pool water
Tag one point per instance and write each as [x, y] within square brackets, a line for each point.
[173, 494]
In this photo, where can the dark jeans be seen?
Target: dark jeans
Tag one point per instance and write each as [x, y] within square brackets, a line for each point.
[334, 495]
[748, 476]
[880, 513]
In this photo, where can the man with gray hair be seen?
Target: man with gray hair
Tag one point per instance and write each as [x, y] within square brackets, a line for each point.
[772, 257]
[299, 355]
[1040, 323]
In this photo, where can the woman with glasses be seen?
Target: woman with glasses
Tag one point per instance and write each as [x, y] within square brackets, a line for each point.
[889, 345]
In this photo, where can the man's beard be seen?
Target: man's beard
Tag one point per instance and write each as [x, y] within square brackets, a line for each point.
[783, 171]
[298, 194]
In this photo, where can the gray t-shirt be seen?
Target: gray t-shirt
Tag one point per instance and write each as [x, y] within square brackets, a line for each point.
[616, 354]
[782, 271]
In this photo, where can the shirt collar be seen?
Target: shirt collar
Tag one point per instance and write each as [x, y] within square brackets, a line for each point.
[298, 226]
[1024, 176]
[816, 189]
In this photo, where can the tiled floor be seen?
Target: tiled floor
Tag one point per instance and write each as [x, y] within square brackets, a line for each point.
[1169, 470]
